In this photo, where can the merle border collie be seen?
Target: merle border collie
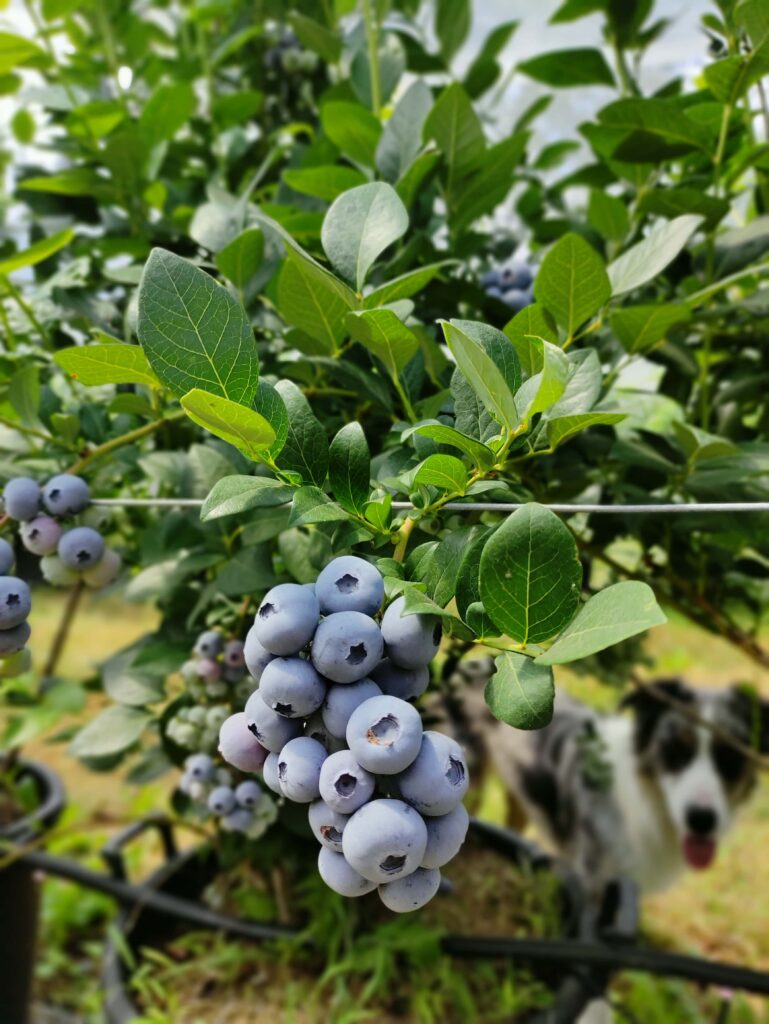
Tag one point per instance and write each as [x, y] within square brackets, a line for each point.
[642, 795]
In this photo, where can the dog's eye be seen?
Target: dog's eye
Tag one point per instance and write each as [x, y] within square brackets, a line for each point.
[730, 763]
[677, 752]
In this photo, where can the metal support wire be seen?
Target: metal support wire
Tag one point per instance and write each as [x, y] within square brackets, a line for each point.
[723, 507]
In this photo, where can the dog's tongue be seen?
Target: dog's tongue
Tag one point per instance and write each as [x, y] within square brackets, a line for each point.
[699, 853]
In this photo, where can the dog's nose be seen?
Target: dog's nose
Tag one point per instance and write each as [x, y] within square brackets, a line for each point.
[700, 821]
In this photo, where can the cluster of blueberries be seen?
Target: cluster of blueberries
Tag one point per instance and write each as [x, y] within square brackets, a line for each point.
[332, 725]
[216, 678]
[241, 807]
[512, 285]
[66, 555]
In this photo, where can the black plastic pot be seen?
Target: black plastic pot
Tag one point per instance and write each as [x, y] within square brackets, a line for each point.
[184, 876]
[20, 897]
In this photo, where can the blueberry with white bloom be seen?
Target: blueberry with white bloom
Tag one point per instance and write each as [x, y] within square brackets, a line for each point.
[248, 794]
[445, 835]
[40, 535]
[316, 728]
[200, 767]
[340, 877]
[256, 656]
[81, 548]
[209, 644]
[347, 646]
[208, 670]
[342, 699]
[14, 640]
[239, 747]
[327, 825]
[221, 800]
[66, 495]
[239, 820]
[385, 840]
[299, 766]
[411, 640]
[233, 654]
[407, 894]
[292, 687]
[7, 557]
[270, 773]
[384, 734]
[15, 601]
[406, 683]
[106, 571]
[438, 778]
[287, 618]
[21, 497]
[344, 784]
[350, 584]
[271, 729]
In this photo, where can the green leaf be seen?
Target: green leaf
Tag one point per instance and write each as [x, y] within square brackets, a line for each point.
[306, 449]
[385, 336]
[531, 575]
[482, 456]
[350, 468]
[445, 562]
[316, 37]
[671, 202]
[106, 364]
[75, 181]
[167, 110]
[240, 260]
[310, 301]
[452, 25]
[325, 182]
[401, 139]
[485, 69]
[572, 283]
[545, 388]
[654, 129]
[561, 428]
[488, 361]
[480, 192]
[193, 332]
[353, 129]
[639, 328]
[470, 414]
[583, 385]
[112, 731]
[520, 693]
[527, 330]
[566, 68]
[403, 287]
[269, 404]
[652, 254]
[455, 128]
[312, 505]
[729, 79]
[24, 394]
[610, 616]
[37, 252]
[15, 50]
[608, 215]
[235, 494]
[244, 428]
[378, 512]
[359, 226]
[443, 471]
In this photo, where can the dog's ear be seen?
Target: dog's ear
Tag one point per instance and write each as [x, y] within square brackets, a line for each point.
[753, 711]
[648, 708]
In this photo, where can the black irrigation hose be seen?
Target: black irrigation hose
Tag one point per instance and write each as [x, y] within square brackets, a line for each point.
[566, 952]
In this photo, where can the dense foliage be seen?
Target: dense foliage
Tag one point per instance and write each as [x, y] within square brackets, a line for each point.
[275, 228]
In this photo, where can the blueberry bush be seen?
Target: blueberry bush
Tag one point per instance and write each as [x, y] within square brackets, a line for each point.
[291, 286]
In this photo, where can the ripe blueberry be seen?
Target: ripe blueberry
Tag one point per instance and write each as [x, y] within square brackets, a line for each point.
[287, 618]
[350, 584]
[347, 646]
[411, 640]
[384, 734]
[385, 840]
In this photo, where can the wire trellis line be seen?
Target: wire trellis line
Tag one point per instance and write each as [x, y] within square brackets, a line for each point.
[481, 506]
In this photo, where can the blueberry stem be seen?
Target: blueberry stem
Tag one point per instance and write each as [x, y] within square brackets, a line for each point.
[118, 442]
[62, 631]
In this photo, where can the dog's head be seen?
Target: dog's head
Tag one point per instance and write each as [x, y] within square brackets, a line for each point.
[701, 777]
